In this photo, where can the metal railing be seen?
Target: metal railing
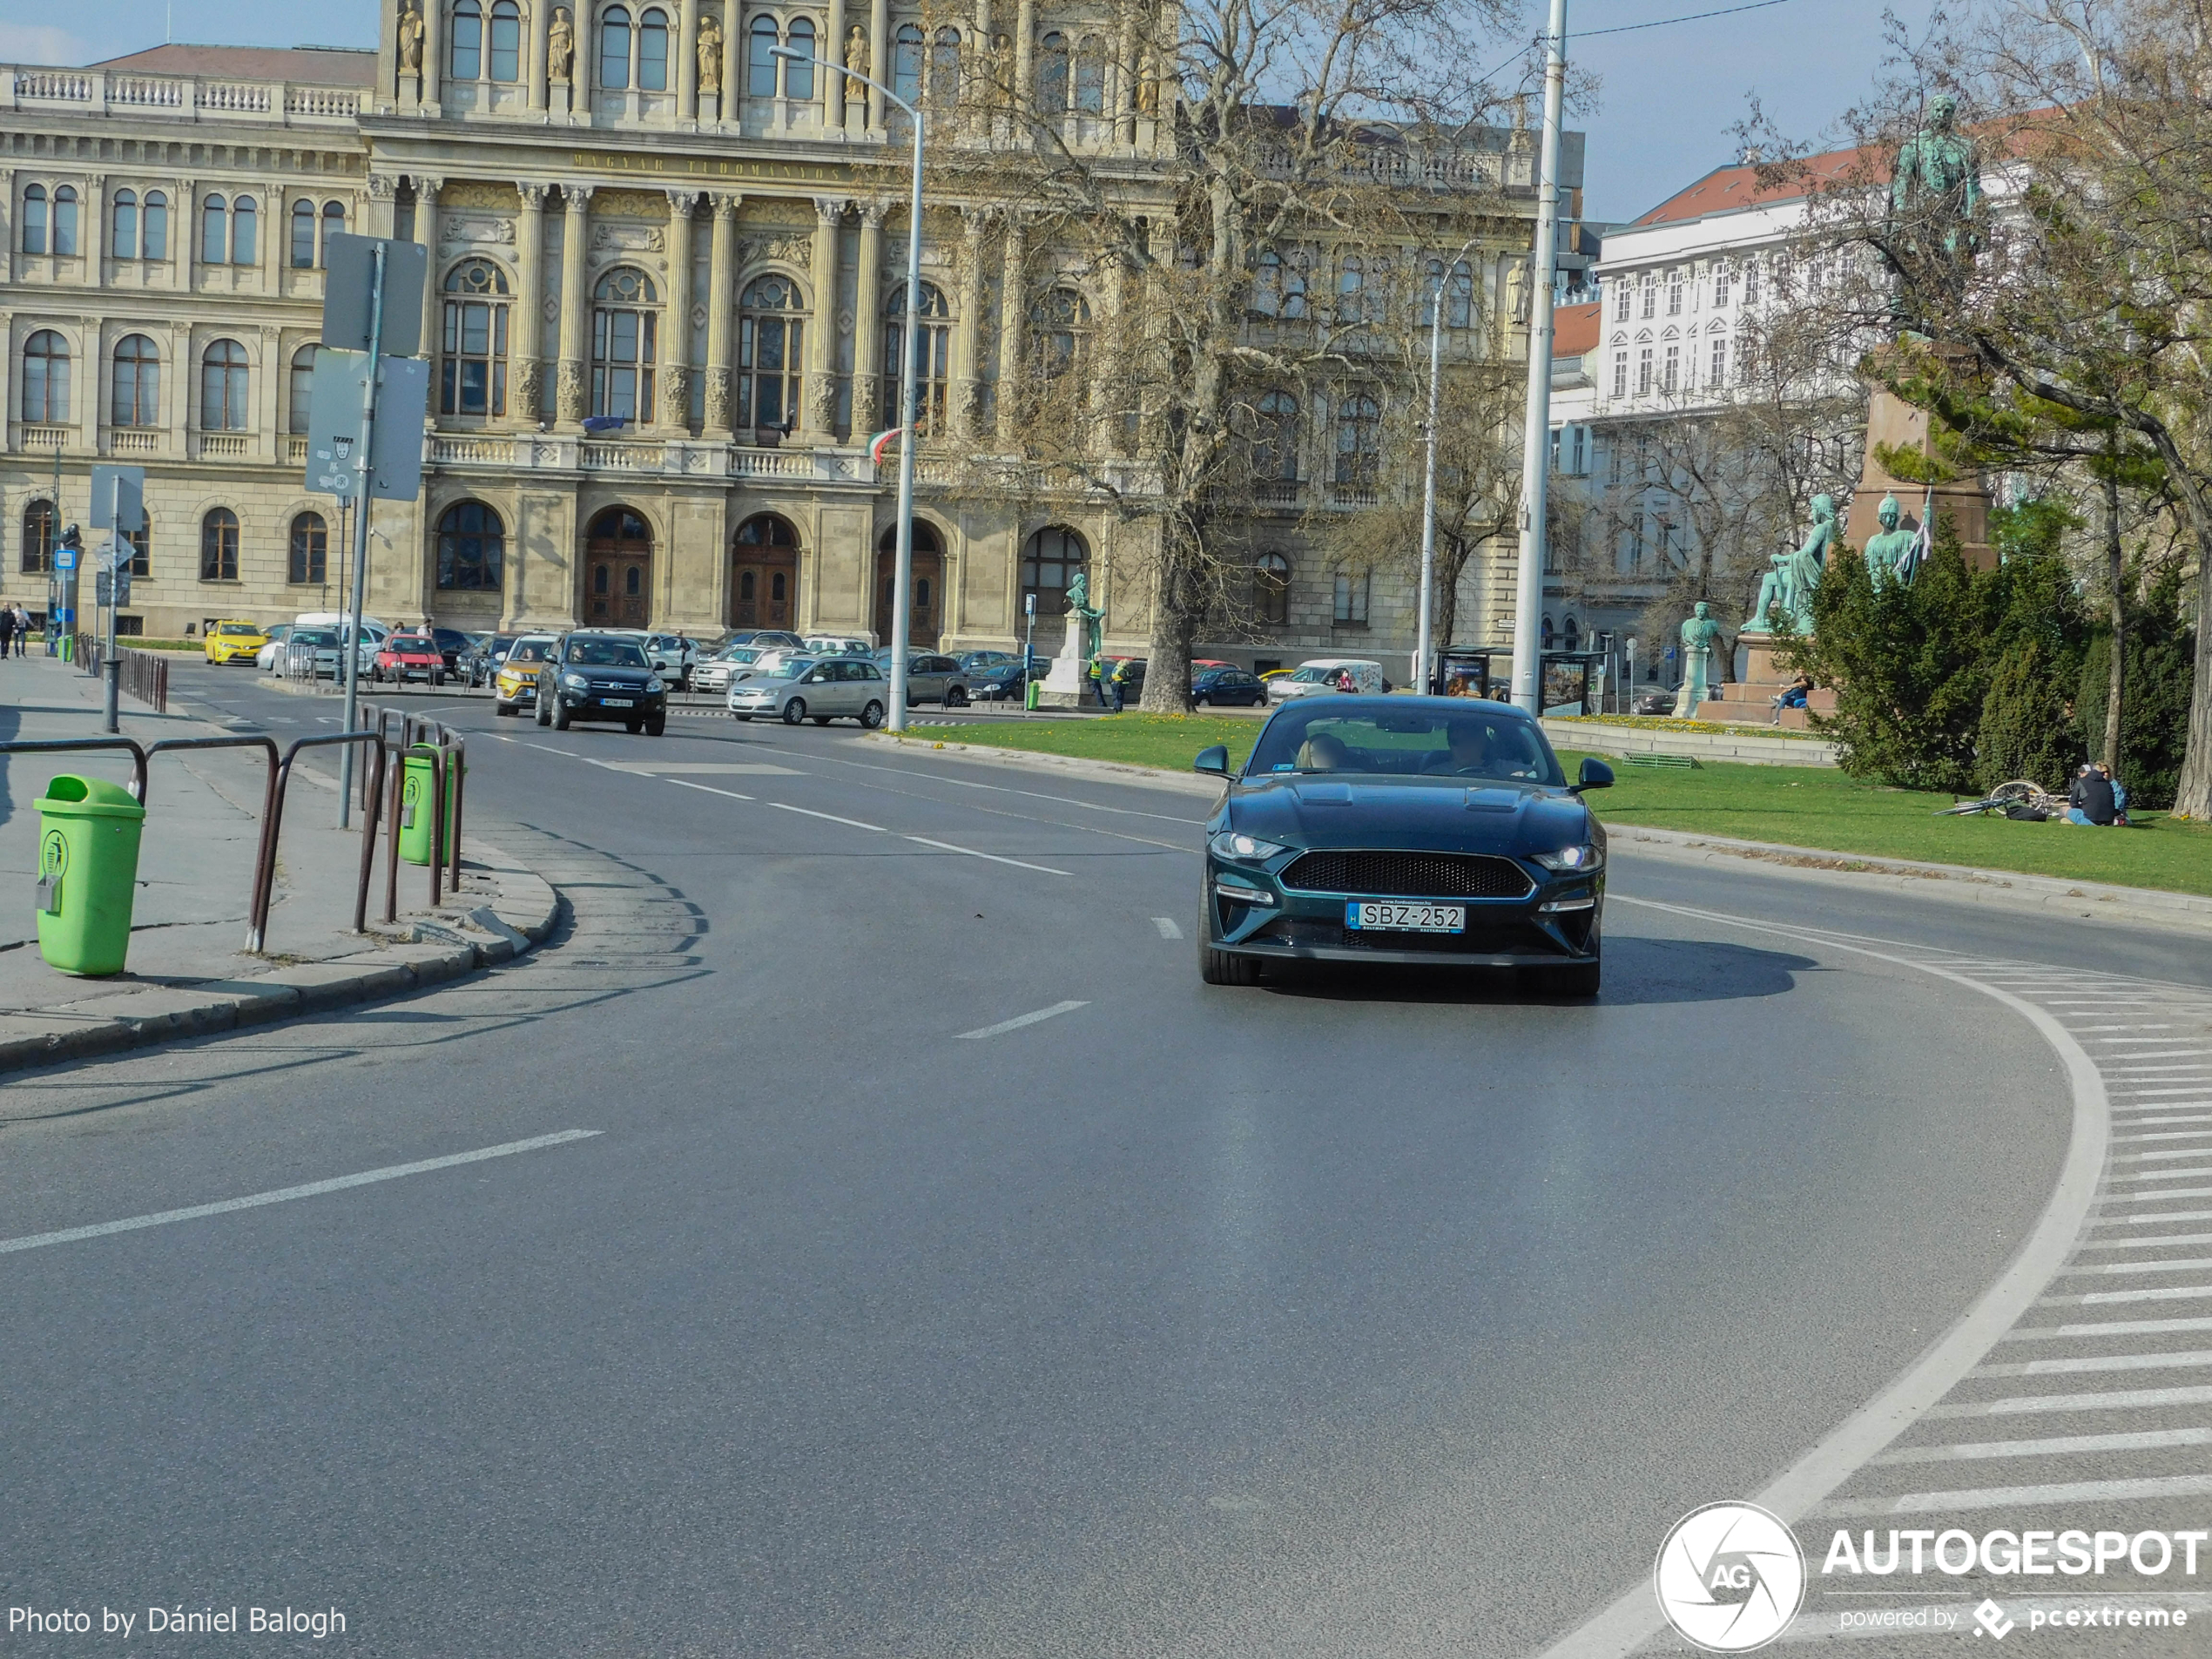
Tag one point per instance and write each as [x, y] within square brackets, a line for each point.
[145, 674]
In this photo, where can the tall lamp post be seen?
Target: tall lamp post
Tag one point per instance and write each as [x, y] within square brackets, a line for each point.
[902, 574]
[1528, 590]
[1422, 671]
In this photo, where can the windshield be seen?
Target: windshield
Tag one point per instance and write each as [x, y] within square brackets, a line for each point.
[530, 651]
[1369, 740]
[236, 628]
[788, 668]
[740, 654]
[605, 653]
[313, 636]
[1307, 676]
[407, 642]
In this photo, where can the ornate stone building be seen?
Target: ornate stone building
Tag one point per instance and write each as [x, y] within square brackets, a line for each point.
[634, 211]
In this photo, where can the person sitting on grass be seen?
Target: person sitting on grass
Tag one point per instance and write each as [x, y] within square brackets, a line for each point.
[2091, 801]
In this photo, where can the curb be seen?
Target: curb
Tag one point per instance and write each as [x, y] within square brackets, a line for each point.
[1593, 736]
[445, 944]
[1107, 770]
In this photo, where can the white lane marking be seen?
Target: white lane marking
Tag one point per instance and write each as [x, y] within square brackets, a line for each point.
[831, 818]
[2061, 1446]
[2179, 1118]
[2148, 1025]
[548, 749]
[947, 846]
[2112, 1400]
[2102, 1328]
[703, 768]
[2108, 1223]
[1016, 1023]
[1632, 1618]
[2168, 1133]
[2167, 1264]
[710, 789]
[2105, 1299]
[2194, 1360]
[2160, 1197]
[2181, 1486]
[1167, 929]
[284, 1195]
[2160, 1241]
[1001, 789]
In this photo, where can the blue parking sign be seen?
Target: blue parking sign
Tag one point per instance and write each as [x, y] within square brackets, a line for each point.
[65, 558]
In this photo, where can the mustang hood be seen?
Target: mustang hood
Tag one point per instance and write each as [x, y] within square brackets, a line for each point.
[1441, 815]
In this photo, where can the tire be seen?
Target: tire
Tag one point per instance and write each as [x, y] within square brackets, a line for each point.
[1221, 967]
[795, 710]
[560, 715]
[871, 715]
[1200, 703]
[544, 711]
[821, 719]
[955, 697]
[1575, 980]
[656, 725]
[747, 719]
[437, 677]
[633, 727]
[503, 710]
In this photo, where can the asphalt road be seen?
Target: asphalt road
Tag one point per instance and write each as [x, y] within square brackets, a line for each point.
[1350, 1315]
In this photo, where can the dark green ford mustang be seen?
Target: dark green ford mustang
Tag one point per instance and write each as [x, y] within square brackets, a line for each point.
[1404, 829]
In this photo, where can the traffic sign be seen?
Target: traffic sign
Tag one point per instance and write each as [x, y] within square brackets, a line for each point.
[120, 580]
[349, 276]
[122, 490]
[65, 558]
[337, 399]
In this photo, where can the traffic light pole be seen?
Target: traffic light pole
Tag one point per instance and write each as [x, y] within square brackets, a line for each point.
[348, 634]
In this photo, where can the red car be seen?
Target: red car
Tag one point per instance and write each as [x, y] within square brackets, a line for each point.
[407, 657]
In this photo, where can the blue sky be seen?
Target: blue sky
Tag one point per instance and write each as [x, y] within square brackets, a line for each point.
[1669, 95]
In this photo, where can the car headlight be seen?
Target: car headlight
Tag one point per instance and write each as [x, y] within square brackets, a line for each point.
[654, 685]
[576, 682]
[1235, 844]
[1589, 856]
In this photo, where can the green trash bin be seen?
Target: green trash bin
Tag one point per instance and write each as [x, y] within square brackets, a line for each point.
[416, 784]
[88, 873]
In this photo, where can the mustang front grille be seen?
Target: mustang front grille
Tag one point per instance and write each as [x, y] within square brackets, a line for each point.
[1409, 875]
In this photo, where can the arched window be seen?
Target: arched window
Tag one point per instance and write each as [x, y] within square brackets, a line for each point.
[799, 74]
[473, 372]
[141, 543]
[65, 220]
[214, 231]
[467, 60]
[334, 221]
[1359, 442]
[45, 378]
[506, 41]
[1271, 589]
[771, 330]
[1059, 326]
[1572, 635]
[472, 548]
[300, 395]
[309, 564]
[1267, 284]
[155, 238]
[223, 388]
[123, 237]
[1458, 309]
[760, 57]
[1052, 74]
[765, 529]
[1049, 561]
[623, 328]
[218, 546]
[1090, 75]
[1352, 282]
[136, 392]
[41, 527]
[34, 218]
[652, 52]
[303, 236]
[614, 47]
[933, 372]
[243, 220]
[1547, 635]
[905, 63]
[1275, 444]
[944, 69]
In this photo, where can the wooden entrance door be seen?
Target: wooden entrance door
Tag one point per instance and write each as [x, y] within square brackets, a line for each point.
[617, 570]
[926, 614]
[764, 576]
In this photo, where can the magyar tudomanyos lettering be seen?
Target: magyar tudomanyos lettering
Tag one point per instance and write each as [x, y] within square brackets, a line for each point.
[2033, 1554]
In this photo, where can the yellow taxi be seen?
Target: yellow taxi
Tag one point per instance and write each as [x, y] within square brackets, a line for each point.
[515, 684]
[234, 642]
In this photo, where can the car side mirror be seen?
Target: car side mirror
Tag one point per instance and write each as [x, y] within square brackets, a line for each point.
[1593, 774]
[1215, 760]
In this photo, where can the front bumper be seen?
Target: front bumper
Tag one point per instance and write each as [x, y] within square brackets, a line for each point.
[1500, 933]
[612, 705]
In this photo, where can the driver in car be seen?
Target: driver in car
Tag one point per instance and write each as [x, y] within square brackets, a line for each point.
[1470, 750]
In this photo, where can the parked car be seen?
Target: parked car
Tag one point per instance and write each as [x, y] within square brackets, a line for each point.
[830, 688]
[320, 644]
[721, 670]
[480, 663]
[368, 638]
[601, 677]
[270, 658]
[1322, 674]
[674, 657]
[1654, 703]
[775, 661]
[976, 661]
[1003, 682]
[409, 657]
[234, 642]
[840, 644]
[766, 638]
[515, 682]
[931, 678]
[1231, 687]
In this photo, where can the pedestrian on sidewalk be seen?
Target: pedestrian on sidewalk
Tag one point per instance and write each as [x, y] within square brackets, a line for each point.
[22, 632]
[1118, 679]
[7, 626]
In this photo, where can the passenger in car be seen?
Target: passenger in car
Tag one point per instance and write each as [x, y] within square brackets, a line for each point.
[1322, 752]
[1469, 750]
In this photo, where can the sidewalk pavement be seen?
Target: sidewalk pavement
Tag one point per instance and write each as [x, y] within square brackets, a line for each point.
[190, 972]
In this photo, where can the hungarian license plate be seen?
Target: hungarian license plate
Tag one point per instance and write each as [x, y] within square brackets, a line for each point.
[1382, 915]
[617, 701]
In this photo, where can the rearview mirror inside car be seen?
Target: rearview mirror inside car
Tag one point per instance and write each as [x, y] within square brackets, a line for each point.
[1215, 760]
[1594, 774]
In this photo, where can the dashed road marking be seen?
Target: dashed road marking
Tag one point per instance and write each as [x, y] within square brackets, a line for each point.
[1167, 929]
[947, 846]
[1018, 1021]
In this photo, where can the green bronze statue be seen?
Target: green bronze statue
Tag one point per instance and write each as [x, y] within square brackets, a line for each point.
[1889, 556]
[1081, 616]
[1789, 586]
[1701, 637]
[1935, 196]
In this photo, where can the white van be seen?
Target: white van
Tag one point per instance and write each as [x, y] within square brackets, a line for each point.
[370, 637]
[1320, 674]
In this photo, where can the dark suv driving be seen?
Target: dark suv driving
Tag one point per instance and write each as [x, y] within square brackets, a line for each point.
[601, 677]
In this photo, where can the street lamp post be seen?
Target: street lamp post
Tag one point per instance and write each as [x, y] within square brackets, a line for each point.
[1424, 644]
[1529, 589]
[902, 572]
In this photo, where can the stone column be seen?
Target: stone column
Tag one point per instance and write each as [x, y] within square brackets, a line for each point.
[968, 330]
[1126, 76]
[867, 328]
[383, 199]
[528, 343]
[880, 50]
[676, 347]
[94, 241]
[1025, 50]
[832, 86]
[426, 232]
[434, 49]
[278, 248]
[821, 420]
[721, 309]
[1014, 314]
[732, 62]
[687, 61]
[541, 53]
[576, 315]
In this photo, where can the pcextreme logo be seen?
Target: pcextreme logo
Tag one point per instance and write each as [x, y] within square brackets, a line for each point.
[1730, 1577]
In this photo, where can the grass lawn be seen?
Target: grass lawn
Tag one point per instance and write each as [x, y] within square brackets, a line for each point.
[1798, 805]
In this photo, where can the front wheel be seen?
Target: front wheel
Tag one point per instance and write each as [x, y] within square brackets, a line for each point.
[502, 708]
[633, 727]
[545, 711]
[1220, 968]
[1577, 979]
[437, 677]
[560, 716]
[871, 715]
[656, 725]
[795, 710]
[1200, 703]
[747, 719]
[956, 698]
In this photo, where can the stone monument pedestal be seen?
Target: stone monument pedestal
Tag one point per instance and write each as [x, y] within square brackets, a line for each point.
[1748, 698]
[1066, 684]
[1891, 422]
